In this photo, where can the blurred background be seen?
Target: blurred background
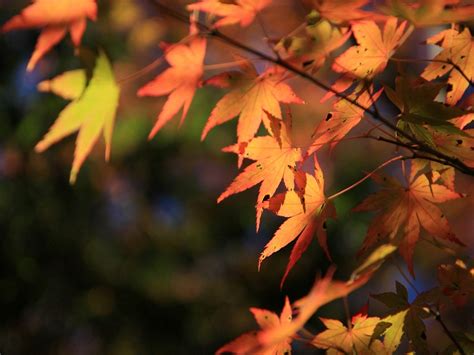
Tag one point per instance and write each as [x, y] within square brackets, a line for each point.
[137, 257]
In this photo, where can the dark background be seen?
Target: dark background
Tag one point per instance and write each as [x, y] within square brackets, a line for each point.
[136, 257]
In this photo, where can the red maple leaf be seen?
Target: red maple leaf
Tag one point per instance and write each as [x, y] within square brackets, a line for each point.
[403, 210]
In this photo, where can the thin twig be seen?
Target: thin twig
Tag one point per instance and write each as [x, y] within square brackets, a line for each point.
[345, 299]
[400, 157]
[434, 313]
[212, 32]
[448, 62]
[405, 277]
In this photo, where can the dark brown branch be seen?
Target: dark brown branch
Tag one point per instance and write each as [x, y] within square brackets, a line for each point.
[448, 62]
[212, 32]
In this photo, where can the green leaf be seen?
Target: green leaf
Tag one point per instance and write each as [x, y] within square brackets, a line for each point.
[394, 333]
[91, 113]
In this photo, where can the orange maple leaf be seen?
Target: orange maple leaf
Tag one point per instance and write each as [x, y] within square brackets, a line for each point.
[343, 117]
[458, 48]
[241, 11]
[307, 211]
[273, 337]
[456, 145]
[404, 210]
[342, 11]
[248, 343]
[342, 340]
[324, 290]
[275, 160]
[254, 96]
[180, 81]
[430, 13]
[374, 48]
[56, 17]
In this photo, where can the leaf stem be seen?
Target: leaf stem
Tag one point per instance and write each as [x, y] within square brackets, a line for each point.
[345, 299]
[404, 275]
[400, 157]
[212, 32]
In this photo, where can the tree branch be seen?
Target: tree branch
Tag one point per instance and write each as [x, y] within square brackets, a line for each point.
[212, 32]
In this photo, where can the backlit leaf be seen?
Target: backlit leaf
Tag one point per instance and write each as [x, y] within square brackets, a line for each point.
[91, 113]
[373, 51]
[180, 81]
[458, 48]
[404, 210]
[251, 100]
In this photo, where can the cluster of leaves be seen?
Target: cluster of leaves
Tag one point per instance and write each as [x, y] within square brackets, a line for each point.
[432, 129]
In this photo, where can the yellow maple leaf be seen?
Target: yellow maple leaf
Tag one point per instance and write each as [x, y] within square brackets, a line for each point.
[374, 48]
[342, 340]
[91, 112]
[458, 48]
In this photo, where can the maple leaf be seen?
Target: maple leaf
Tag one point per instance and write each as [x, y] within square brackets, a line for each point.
[343, 117]
[457, 282]
[342, 11]
[405, 318]
[267, 320]
[56, 17]
[402, 211]
[324, 290]
[374, 49]
[436, 124]
[422, 116]
[458, 48]
[252, 99]
[91, 112]
[276, 335]
[456, 145]
[69, 85]
[307, 211]
[342, 340]
[429, 13]
[180, 81]
[240, 11]
[275, 160]
[311, 49]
